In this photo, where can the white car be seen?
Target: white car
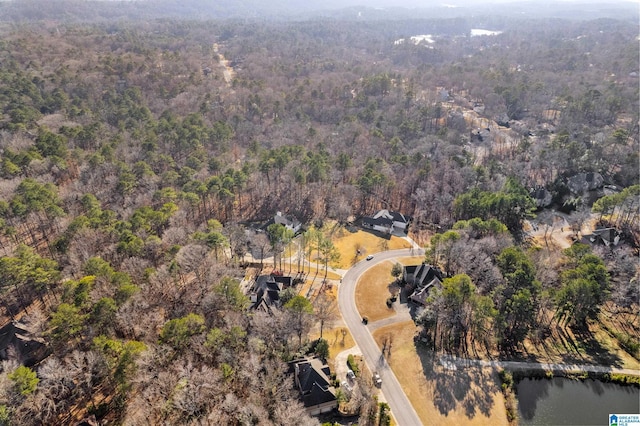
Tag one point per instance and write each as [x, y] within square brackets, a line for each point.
[377, 380]
[370, 257]
[344, 385]
[351, 375]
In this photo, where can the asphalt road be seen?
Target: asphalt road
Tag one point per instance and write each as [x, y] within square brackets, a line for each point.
[401, 408]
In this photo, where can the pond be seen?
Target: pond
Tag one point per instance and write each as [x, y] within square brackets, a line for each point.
[561, 401]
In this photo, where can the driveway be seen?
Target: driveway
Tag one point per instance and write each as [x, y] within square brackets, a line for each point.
[401, 407]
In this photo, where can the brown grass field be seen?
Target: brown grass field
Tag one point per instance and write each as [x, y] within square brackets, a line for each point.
[311, 289]
[312, 272]
[372, 292]
[414, 260]
[347, 242]
[469, 396]
[338, 341]
[373, 289]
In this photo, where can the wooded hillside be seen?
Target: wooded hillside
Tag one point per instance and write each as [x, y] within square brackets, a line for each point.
[134, 155]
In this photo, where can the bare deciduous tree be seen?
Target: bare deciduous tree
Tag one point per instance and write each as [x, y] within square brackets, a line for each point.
[325, 310]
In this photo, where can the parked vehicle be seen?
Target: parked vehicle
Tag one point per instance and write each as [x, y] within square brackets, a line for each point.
[377, 380]
[351, 375]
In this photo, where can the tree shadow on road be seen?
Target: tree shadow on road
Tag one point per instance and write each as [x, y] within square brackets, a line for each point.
[469, 388]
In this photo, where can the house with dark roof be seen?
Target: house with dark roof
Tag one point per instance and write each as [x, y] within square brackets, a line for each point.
[380, 224]
[16, 342]
[420, 275]
[607, 236]
[387, 222]
[312, 380]
[541, 196]
[584, 182]
[265, 292]
[424, 278]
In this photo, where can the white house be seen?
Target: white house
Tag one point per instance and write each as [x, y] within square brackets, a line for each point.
[288, 222]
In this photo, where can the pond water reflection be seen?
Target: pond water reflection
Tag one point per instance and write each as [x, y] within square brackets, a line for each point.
[560, 401]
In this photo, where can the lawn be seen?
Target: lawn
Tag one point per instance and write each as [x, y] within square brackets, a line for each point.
[372, 292]
[373, 289]
[293, 269]
[311, 288]
[339, 339]
[469, 396]
[347, 243]
[335, 332]
[408, 261]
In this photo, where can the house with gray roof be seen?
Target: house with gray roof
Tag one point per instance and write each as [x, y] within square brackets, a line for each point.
[584, 182]
[541, 196]
[265, 292]
[289, 222]
[424, 278]
[312, 380]
[607, 236]
[387, 222]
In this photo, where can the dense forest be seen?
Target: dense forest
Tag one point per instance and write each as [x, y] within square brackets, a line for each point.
[136, 154]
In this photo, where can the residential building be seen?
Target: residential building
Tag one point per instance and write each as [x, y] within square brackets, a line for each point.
[289, 222]
[316, 391]
[388, 222]
[607, 236]
[265, 292]
[424, 278]
[584, 182]
[541, 196]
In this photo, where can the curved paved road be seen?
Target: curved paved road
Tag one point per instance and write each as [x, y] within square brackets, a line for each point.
[400, 406]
